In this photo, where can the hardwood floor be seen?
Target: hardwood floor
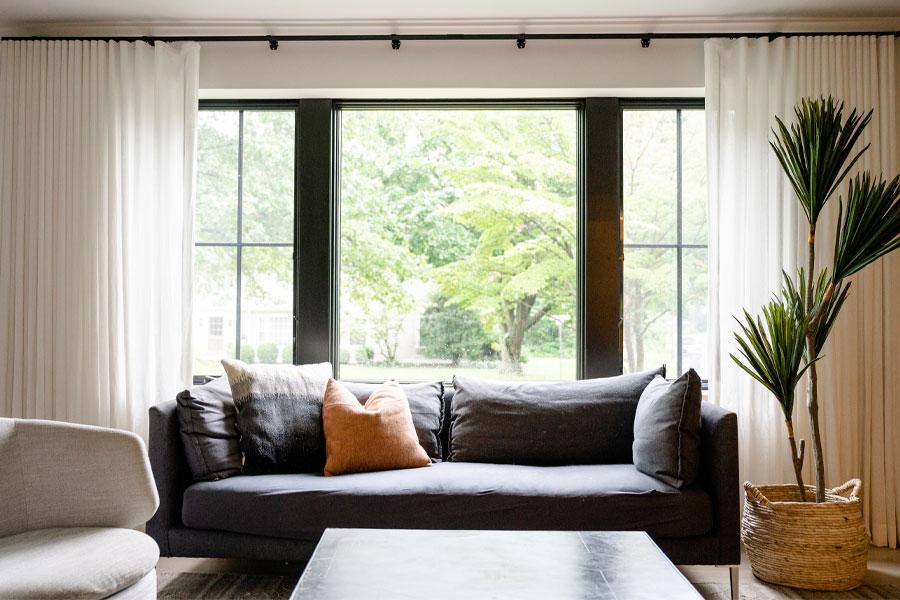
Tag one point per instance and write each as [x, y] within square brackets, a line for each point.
[883, 576]
[882, 580]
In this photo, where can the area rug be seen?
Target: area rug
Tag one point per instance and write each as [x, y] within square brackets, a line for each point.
[235, 586]
[223, 586]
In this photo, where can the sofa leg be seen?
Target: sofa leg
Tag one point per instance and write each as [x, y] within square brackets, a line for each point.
[734, 576]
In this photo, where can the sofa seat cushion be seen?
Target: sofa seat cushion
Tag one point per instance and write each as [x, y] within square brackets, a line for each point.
[450, 496]
[75, 562]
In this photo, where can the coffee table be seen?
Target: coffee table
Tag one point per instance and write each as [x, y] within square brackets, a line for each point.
[439, 564]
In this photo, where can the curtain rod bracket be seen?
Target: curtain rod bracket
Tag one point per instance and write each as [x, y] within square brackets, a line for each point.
[520, 41]
[645, 42]
[395, 42]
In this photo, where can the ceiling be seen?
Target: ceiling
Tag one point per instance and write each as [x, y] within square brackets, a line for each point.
[272, 13]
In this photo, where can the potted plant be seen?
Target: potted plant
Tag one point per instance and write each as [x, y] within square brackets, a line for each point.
[800, 535]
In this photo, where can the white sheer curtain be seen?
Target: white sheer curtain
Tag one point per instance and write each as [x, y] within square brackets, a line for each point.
[757, 229]
[96, 180]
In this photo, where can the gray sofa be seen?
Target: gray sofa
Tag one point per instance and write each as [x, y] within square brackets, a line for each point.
[282, 516]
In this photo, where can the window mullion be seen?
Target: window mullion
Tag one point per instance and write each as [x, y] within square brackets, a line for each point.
[678, 258]
[239, 238]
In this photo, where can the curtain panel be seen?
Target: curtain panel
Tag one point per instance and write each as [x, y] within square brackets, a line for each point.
[97, 143]
[757, 228]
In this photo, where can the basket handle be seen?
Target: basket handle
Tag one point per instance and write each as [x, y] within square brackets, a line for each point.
[757, 496]
[854, 486]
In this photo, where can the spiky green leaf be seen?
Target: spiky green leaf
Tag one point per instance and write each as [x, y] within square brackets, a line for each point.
[817, 150]
[868, 226]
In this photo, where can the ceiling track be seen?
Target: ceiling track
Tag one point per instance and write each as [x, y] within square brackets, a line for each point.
[396, 39]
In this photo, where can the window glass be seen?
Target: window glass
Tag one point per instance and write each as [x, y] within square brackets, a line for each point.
[458, 243]
[243, 259]
[665, 223]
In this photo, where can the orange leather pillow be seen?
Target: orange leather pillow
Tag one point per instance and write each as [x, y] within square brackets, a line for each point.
[377, 436]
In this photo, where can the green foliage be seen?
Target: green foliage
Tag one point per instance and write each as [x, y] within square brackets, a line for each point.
[267, 353]
[448, 331]
[772, 348]
[826, 304]
[248, 353]
[477, 207]
[816, 152]
[364, 354]
[870, 227]
[543, 339]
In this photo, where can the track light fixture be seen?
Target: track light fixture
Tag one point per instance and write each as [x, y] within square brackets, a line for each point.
[395, 42]
[520, 41]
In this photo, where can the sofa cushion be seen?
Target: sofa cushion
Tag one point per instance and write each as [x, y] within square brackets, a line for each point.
[450, 496]
[536, 423]
[74, 562]
[279, 415]
[667, 430]
[425, 404]
[206, 419]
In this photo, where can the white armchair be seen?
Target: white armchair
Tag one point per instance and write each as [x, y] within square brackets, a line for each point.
[70, 498]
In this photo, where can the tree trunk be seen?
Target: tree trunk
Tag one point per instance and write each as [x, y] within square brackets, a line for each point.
[812, 397]
[519, 319]
[797, 458]
[511, 344]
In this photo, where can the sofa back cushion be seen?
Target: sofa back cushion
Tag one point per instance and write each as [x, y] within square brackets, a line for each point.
[667, 430]
[279, 415]
[425, 404]
[537, 423]
[206, 420]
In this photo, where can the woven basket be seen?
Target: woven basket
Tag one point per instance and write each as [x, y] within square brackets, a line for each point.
[816, 546]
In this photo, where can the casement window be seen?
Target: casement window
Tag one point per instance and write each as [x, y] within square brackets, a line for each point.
[244, 236]
[523, 239]
[665, 237]
[458, 241]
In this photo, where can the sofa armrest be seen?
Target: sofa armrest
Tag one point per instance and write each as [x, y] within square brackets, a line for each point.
[719, 475]
[169, 470]
[82, 476]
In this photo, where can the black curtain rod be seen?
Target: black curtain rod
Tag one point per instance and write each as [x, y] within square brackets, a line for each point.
[395, 39]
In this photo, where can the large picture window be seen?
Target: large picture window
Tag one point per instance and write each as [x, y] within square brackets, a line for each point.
[540, 240]
[458, 242]
[665, 239]
[244, 237]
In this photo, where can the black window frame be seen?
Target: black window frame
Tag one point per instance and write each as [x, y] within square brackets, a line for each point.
[600, 256]
[242, 106]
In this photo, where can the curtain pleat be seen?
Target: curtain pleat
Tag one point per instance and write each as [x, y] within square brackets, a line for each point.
[96, 205]
[757, 228]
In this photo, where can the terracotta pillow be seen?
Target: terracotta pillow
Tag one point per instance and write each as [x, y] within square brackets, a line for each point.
[377, 436]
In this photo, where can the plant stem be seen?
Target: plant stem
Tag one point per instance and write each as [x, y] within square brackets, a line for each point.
[812, 377]
[796, 458]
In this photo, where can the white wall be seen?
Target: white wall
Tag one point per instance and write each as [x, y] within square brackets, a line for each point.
[457, 69]
[452, 69]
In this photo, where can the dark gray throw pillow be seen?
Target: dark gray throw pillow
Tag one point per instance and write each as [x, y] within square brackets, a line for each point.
[279, 415]
[667, 430]
[540, 423]
[206, 419]
[426, 405]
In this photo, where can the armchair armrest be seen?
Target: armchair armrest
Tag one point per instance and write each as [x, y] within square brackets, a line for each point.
[719, 475]
[82, 476]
